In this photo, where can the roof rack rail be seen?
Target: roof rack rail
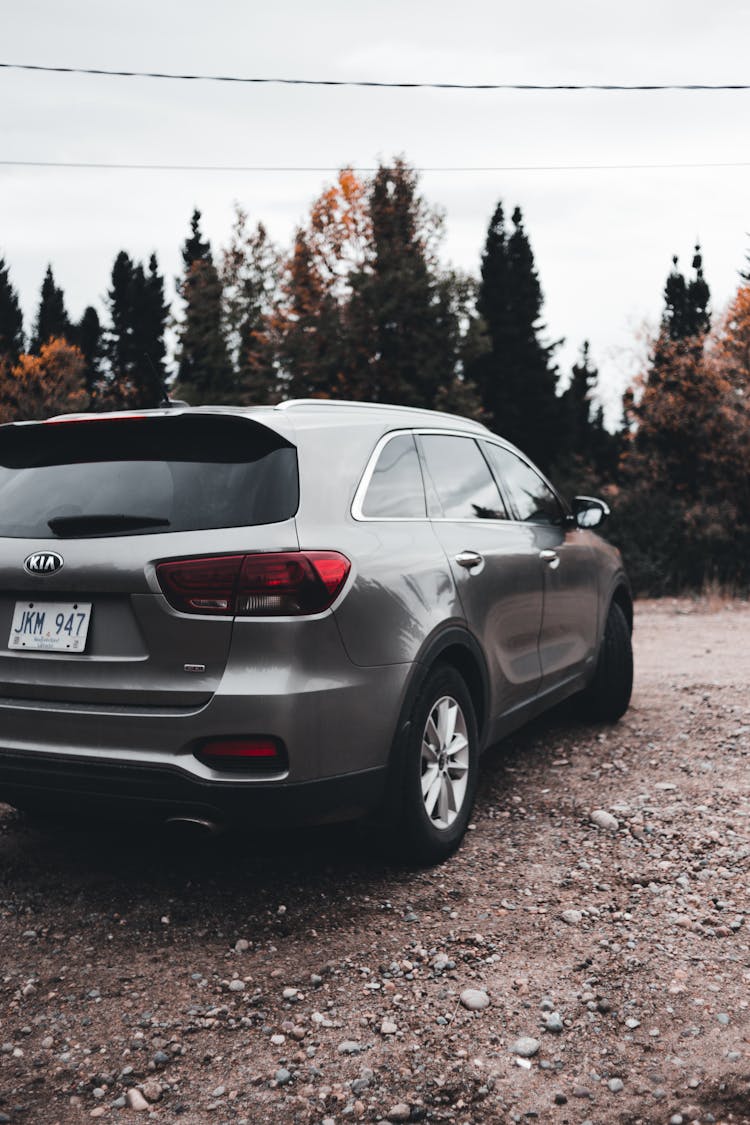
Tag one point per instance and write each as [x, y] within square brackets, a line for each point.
[295, 403]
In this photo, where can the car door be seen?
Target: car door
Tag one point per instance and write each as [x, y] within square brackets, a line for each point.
[567, 638]
[494, 562]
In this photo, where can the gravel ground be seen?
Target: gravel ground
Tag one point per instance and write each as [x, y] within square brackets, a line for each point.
[585, 957]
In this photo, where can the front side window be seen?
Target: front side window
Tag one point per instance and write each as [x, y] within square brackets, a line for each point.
[395, 490]
[462, 481]
[533, 499]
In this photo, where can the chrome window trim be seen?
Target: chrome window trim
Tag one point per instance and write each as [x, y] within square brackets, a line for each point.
[361, 490]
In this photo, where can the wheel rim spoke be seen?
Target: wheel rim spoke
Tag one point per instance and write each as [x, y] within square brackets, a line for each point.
[445, 762]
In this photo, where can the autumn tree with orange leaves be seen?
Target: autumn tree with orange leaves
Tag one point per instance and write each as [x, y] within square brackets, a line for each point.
[683, 508]
[40, 386]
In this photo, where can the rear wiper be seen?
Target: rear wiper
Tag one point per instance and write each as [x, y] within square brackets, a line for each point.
[71, 526]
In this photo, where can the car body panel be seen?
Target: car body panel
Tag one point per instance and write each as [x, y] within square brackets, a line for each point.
[122, 721]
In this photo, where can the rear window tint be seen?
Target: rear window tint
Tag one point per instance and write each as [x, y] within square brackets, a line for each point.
[141, 476]
[395, 489]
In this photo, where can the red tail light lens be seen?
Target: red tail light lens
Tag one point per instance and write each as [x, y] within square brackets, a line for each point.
[244, 754]
[276, 584]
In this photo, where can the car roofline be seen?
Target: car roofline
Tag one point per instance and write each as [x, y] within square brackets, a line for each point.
[353, 404]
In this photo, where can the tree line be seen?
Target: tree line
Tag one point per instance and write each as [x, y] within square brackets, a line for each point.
[361, 307]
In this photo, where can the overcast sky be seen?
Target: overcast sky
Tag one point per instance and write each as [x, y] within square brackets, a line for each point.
[603, 240]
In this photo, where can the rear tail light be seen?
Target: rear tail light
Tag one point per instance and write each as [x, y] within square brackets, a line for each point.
[275, 584]
[244, 754]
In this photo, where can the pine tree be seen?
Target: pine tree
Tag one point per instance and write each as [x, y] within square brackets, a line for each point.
[205, 371]
[135, 345]
[309, 329]
[686, 311]
[516, 376]
[591, 452]
[11, 319]
[250, 276]
[396, 298]
[52, 320]
[87, 336]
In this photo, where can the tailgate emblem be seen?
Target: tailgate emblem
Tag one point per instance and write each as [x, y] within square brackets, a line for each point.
[43, 562]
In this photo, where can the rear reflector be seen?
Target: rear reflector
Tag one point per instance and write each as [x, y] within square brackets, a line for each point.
[275, 584]
[244, 754]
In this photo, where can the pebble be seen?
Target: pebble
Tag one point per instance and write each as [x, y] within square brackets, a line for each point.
[277, 1040]
[282, 1076]
[526, 1047]
[602, 819]
[135, 1099]
[236, 986]
[399, 1112]
[475, 999]
[615, 1085]
[572, 917]
[632, 1023]
[152, 1090]
[553, 1022]
[387, 1027]
[349, 1047]
[241, 946]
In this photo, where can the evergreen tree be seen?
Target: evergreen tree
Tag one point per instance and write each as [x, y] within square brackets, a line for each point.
[52, 320]
[396, 297]
[11, 319]
[205, 371]
[250, 276]
[686, 303]
[87, 336]
[135, 345]
[591, 453]
[309, 329]
[516, 376]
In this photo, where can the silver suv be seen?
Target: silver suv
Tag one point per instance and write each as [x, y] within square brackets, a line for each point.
[312, 611]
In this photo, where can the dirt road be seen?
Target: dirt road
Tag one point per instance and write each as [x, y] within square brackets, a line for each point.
[298, 979]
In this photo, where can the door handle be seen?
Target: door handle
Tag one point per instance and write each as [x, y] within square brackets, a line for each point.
[551, 558]
[469, 559]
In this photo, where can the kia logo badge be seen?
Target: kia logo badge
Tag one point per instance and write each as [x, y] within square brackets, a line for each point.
[43, 562]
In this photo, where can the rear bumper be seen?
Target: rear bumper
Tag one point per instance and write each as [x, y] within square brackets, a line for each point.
[158, 791]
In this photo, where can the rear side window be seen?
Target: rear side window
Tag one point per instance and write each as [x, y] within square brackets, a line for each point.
[395, 489]
[534, 501]
[137, 476]
[462, 480]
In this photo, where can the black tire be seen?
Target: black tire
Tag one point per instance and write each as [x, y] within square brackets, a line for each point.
[607, 697]
[411, 834]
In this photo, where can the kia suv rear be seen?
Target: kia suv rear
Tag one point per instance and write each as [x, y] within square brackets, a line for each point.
[300, 613]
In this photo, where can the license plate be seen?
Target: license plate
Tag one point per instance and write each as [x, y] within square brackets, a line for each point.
[50, 626]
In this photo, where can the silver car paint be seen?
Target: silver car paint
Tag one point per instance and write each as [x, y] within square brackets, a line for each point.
[331, 686]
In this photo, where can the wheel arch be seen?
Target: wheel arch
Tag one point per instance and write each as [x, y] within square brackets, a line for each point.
[622, 597]
[458, 648]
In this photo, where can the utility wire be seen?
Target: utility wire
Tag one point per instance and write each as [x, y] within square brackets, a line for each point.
[87, 164]
[522, 86]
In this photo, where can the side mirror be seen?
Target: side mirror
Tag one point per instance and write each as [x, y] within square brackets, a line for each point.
[589, 512]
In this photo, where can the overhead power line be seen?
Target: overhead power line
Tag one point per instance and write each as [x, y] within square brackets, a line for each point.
[92, 164]
[522, 86]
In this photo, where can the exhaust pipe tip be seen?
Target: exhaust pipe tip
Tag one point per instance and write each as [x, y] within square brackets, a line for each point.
[194, 826]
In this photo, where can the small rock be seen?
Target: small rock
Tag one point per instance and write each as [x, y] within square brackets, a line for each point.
[632, 1023]
[241, 946]
[526, 1047]
[615, 1085]
[387, 1027]
[161, 1058]
[135, 1099]
[349, 1047]
[475, 999]
[277, 1040]
[553, 1022]
[152, 1090]
[237, 985]
[572, 917]
[282, 1076]
[399, 1112]
[602, 819]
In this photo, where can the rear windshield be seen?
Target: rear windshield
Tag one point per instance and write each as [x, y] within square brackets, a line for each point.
[141, 476]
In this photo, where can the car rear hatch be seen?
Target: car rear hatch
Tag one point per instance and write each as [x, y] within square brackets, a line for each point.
[89, 507]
